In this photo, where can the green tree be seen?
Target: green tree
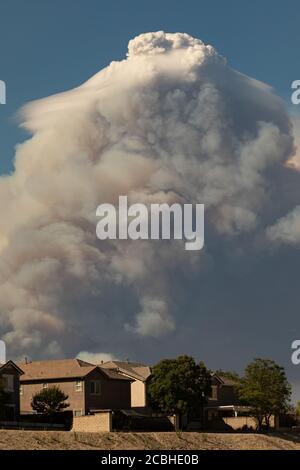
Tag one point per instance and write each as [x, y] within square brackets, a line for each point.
[265, 389]
[49, 400]
[179, 386]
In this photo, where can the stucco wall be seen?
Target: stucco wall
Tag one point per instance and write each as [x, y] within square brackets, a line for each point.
[241, 421]
[115, 394]
[100, 422]
[76, 399]
[138, 394]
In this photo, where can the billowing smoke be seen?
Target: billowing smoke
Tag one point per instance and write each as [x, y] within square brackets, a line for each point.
[95, 358]
[172, 122]
[286, 230]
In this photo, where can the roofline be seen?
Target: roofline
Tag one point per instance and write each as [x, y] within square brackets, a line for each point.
[115, 378]
[133, 375]
[72, 377]
[118, 366]
[43, 379]
[103, 372]
[21, 372]
[233, 384]
[214, 374]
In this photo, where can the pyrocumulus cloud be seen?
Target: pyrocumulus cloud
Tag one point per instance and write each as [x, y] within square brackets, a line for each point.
[170, 123]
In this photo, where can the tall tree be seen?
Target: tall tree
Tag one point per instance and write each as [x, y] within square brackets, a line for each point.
[265, 389]
[179, 386]
[49, 400]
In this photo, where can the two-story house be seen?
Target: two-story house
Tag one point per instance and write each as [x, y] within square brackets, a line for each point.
[89, 387]
[10, 383]
[224, 399]
[139, 374]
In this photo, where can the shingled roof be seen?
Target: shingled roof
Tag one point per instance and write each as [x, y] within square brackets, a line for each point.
[135, 370]
[63, 369]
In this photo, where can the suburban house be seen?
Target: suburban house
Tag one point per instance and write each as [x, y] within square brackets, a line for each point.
[10, 383]
[224, 401]
[90, 388]
[136, 371]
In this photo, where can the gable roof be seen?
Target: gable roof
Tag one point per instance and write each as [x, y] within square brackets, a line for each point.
[114, 375]
[136, 370]
[11, 364]
[225, 380]
[63, 369]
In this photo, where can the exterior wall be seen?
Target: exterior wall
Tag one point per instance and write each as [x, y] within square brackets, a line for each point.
[14, 397]
[225, 395]
[240, 421]
[76, 399]
[100, 422]
[115, 394]
[138, 394]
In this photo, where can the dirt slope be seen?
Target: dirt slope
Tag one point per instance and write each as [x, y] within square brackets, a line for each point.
[151, 441]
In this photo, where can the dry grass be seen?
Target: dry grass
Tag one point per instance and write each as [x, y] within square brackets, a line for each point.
[45, 440]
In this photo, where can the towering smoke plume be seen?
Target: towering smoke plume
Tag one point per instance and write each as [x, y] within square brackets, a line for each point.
[171, 122]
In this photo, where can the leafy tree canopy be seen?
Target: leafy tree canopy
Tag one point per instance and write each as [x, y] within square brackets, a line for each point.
[179, 385]
[265, 389]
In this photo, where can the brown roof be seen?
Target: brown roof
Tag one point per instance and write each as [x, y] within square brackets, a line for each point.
[62, 369]
[135, 370]
[114, 375]
[11, 363]
[226, 380]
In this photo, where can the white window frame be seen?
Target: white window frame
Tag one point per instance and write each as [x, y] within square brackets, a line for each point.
[78, 386]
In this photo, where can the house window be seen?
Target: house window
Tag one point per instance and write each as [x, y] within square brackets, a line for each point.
[78, 386]
[21, 389]
[45, 385]
[77, 412]
[95, 387]
[8, 382]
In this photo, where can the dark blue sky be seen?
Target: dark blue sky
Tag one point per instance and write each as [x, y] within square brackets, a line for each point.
[52, 45]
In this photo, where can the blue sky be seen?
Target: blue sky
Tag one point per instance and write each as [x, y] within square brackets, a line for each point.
[48, 46]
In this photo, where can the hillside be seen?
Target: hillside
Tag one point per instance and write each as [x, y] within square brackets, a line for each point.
[45, 440]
